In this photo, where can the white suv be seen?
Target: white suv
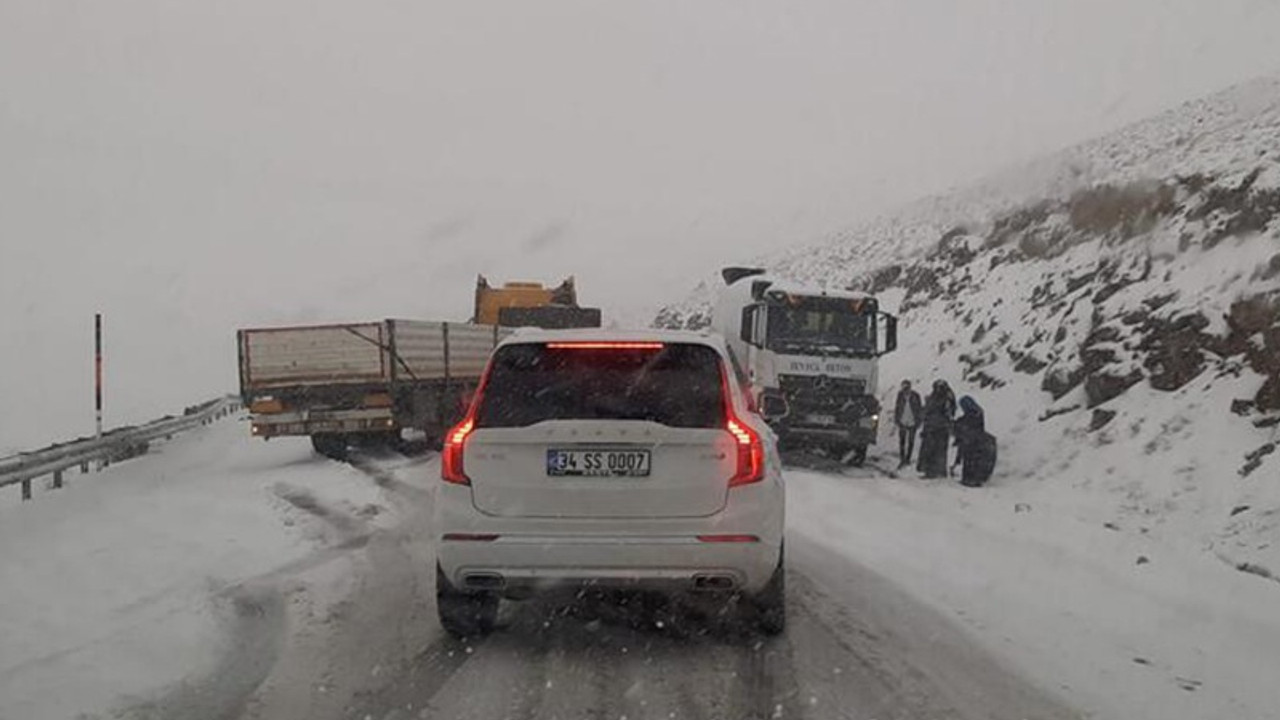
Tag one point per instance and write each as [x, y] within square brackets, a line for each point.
[604, 458]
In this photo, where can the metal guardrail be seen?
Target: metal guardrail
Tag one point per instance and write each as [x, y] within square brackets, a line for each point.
[115, 445]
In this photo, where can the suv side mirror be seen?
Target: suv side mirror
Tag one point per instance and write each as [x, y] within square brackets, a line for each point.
[890, 333]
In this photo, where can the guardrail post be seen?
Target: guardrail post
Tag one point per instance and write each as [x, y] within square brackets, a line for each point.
[26, 488]
[84, 467]
[57, 478]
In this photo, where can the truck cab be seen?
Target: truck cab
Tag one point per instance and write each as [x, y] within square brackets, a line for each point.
[811, 357]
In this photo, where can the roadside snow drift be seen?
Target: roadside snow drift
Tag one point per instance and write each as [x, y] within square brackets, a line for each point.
[155, 575]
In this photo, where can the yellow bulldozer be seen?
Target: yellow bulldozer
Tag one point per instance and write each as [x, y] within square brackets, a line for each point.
[530, 304]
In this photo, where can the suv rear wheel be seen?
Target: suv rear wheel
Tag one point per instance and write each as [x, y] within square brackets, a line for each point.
[768, 608]
[464, 613]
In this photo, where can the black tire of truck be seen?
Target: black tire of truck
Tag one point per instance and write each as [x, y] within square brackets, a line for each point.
[330, 445]
[384, 439]
[855, 456]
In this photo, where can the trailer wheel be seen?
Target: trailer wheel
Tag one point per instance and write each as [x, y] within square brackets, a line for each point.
[330, 445]
[434, 436]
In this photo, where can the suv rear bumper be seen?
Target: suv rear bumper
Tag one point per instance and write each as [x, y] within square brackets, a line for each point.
[530, 563]
[530, 554]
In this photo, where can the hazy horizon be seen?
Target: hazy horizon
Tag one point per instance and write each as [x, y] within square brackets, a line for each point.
[190, 169]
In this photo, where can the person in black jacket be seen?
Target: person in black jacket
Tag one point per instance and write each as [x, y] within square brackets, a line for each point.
[935, 435]
[907, 414]
[975, 448]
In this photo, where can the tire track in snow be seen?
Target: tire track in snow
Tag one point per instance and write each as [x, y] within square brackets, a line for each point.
[254, 618]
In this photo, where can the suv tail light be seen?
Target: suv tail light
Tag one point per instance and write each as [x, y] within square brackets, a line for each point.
[455, 442]
[750, 468]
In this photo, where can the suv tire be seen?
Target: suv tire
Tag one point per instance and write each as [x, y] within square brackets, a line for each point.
[463, 613]
[769, 606]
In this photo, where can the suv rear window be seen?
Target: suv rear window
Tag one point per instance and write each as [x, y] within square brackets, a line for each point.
[677, 385]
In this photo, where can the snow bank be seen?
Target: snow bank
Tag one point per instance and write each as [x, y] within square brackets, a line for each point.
[1121, 623]
[145, 576]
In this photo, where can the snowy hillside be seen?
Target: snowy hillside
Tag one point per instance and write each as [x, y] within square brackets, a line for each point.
[1116, 309]
[1230, 132]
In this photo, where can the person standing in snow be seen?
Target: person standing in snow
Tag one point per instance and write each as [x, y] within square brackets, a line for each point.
[949, 397]
[906, 415]
[935, 434]
[975, 448]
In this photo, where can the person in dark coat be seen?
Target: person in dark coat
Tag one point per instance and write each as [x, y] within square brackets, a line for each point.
[948, 397]
[935, 432]
[975, 448]
[907, 414]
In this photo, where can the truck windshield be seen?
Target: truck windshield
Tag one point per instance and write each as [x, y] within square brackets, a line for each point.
[831, 329]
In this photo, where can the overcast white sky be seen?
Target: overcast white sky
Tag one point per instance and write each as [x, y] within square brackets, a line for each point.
[191, 167]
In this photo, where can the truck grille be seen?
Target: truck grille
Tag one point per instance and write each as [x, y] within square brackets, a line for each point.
[810, 393]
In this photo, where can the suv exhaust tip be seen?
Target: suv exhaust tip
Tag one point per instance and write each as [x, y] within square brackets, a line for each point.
[484, 581]
[711, 583]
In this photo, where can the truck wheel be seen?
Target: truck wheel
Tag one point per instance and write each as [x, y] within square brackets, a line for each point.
[434, 436]
[857, 456]
[768, 608]
[378, 440]
[464, 614]
[331, 446]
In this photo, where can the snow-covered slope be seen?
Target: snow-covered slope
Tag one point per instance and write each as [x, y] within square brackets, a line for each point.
[1115, 308]
[1227, 133]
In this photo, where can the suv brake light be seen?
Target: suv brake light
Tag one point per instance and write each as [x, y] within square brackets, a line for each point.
[591, 345]
[455, 442]
[750, 467]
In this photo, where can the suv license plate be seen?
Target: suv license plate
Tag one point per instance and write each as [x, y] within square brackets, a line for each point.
[598, 463]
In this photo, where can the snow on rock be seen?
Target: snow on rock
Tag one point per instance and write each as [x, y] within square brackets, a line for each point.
[136, 586]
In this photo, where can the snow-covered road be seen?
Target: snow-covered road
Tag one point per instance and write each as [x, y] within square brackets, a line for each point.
[222, 577]
[856, 647]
